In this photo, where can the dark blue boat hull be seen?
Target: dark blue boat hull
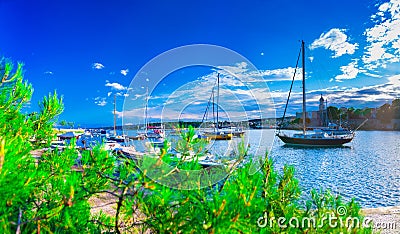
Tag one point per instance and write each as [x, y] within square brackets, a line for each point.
[314, 142]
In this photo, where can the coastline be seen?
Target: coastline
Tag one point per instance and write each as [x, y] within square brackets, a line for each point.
[64, 130]
[386, 219]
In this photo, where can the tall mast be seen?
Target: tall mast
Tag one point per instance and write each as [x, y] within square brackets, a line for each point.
[145, 111]
[115, 116]
[304, 86]
[213, 106]
[217, 99]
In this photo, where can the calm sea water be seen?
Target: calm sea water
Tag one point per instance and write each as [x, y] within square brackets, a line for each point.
[367, 169]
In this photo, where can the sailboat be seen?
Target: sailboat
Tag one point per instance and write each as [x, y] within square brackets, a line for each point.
[310, 138]
[154, 134]
[115, 136]
[216, 133]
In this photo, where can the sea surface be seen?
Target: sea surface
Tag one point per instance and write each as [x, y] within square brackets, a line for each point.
[367, 169]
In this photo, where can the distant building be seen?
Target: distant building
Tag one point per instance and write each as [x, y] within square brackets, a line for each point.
[317, 118]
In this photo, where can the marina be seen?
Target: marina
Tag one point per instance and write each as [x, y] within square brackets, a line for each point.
[200, 117]
[367, 170]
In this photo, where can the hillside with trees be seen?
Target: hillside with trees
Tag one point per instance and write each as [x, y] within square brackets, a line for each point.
[385, 117]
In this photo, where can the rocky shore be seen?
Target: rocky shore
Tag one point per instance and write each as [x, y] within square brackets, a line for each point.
[386, 219]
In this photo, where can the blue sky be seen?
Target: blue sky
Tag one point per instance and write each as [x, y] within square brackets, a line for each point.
[90, 51]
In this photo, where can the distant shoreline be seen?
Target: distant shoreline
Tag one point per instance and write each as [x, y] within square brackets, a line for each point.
[120, 128]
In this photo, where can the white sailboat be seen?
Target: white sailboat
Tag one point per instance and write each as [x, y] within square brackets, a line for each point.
[115, 136]
[216, 133]
[153, 133]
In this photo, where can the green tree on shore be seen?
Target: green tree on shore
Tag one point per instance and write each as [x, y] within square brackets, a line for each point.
[384, 113]
[39, 193]
[396, 108]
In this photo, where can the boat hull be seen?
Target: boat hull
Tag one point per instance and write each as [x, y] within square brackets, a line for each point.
[135, 138]
[314, 142]
[117, 139]
[238, 134]
[218, 136]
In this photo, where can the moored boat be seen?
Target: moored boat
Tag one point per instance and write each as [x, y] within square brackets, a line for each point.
[111, 145]
[68, 136]
[117, 138]
[216, 133]
[313, 138]
[235, 131]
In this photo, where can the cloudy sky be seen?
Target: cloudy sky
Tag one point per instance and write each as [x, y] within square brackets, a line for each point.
[91, 51]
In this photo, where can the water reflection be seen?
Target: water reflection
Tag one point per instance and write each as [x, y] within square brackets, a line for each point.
[368, 169]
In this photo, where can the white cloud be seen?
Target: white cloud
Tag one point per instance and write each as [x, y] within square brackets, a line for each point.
[281, 74]
[395, 81]
[120, 94]
[109, 94]
[97, 66]
[243, 89]
[366, 96]
[125, 72]
[243, 94]
[237, 69]
[384, 37]
[137, 96]
[349, 71]
[372, 75]
[242, 72]
[335, 40]
[115, 86]
[100, 101]
[48, 73]
[384, 7]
